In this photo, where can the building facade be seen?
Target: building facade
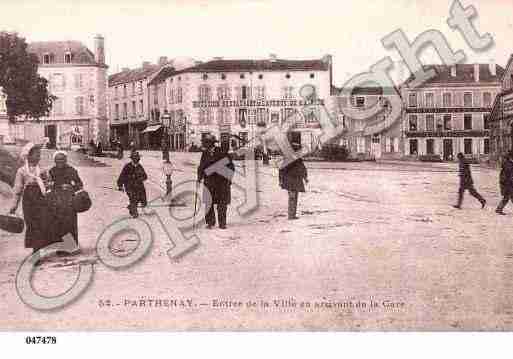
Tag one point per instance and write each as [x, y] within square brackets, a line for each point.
[5, 136]
[78, 78]
[236, 99]
[378, 136]
[501, 119]
[450, 113]
[128, 97]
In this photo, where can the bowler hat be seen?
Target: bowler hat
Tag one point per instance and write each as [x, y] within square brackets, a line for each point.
[135, 154]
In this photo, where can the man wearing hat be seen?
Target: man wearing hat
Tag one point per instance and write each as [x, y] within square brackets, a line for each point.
[291, 178]
[506, 182]
[131, 180]
[218, 185]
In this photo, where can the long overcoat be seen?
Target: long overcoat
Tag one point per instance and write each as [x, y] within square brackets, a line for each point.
[293, 175]
[465, 175]
[217, 184]
[506, 178]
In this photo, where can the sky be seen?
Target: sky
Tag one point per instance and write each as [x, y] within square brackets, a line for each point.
[351, 31]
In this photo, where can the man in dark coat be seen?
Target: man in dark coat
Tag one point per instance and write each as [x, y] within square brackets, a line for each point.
[291, 179]
[506, 182]
[131, 180]
[466, 182]
[217, 184]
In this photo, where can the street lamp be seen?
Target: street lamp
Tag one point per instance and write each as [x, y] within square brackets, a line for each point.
[165, 141]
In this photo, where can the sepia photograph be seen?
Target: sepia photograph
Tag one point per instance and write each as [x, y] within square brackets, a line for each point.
[256, 166]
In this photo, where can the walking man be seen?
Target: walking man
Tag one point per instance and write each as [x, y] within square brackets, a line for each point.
[506, 182]
[215, 183]
[131, 180]
[291, 179]
[466, 182]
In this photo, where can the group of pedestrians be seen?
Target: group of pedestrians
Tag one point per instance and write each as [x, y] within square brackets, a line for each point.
[505, 182]
[47, 198]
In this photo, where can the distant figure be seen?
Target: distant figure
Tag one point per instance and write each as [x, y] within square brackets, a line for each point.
[119, 147]
[291, 179]
[466, 182]
[216, 184]
[99, 149]
[131, 180]
[93, 150]
[506, 182]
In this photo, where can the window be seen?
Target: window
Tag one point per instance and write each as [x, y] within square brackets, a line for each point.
[412, 100]
[311, 114]
[58, 82]
[414, 147]
[447, 123]
[124, 90]
[439, 124]
[487, 99]
[57, 107]
[78, 81]
[46, 58]
[116, 111]
[241, 76]
[287, 76]
[141, 107]
[486, 121]
[223, 77]
[430, 146]
[413, 123]
[360, 101]
[430, 99]
[205, 77]
[312, 76]
[260, 92]
[260, 77]
[134, 109]
[288, 92]
[467, 121]
[262, 116]
[243, 138]
[447, 99]
[79, 105]
[179, 95]
[467, 99]
[204, 93]
[125, 110]
[430, 123]
[67, 58]
[486, 146]
[223, 92]
[467, 144]
[244, 92]
[243, 117]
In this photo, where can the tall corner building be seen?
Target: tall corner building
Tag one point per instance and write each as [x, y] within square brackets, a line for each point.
[77, 76]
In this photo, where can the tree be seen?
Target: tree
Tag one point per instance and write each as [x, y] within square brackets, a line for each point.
[27, 92]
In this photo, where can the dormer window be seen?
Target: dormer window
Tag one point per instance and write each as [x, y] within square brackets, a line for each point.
[260, 77]
[223, 77]
[67, 58]
[312, 76]
[46, 58]
[241, 76]
[287, 76]
[205, 76]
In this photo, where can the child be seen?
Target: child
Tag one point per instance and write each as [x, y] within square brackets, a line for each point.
[132, 179]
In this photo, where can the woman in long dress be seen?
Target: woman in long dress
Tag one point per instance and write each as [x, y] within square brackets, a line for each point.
[65, 181]
[30, 186]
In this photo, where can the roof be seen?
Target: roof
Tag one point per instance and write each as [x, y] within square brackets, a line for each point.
[247, 66]
[368, 90]
[464, 73]
[80, 53]
[133, 75]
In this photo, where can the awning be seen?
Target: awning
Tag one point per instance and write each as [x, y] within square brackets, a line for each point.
[152, 128]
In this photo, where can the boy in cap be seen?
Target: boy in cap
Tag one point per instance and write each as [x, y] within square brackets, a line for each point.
[131, 180]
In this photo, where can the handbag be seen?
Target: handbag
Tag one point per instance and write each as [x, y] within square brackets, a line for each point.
[11, 224]
[81, 201]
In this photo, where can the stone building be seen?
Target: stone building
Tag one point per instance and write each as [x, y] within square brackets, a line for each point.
[378, 136]
[129, 110]
[235, 99]
[450, 112]
[78, 78]
[501, 118]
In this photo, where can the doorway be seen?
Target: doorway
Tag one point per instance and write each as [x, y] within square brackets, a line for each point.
[376, 146]
[448, 150]
[51, 134]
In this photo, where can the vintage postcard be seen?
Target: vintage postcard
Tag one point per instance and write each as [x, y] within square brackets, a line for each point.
[256, 165]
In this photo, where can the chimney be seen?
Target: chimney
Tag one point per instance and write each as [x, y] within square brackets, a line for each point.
[146, 64]
[493, 68]
[99, 49]
[476, 72]
[272, 57]
[453, 70]
[162, 60]
[327, 59]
